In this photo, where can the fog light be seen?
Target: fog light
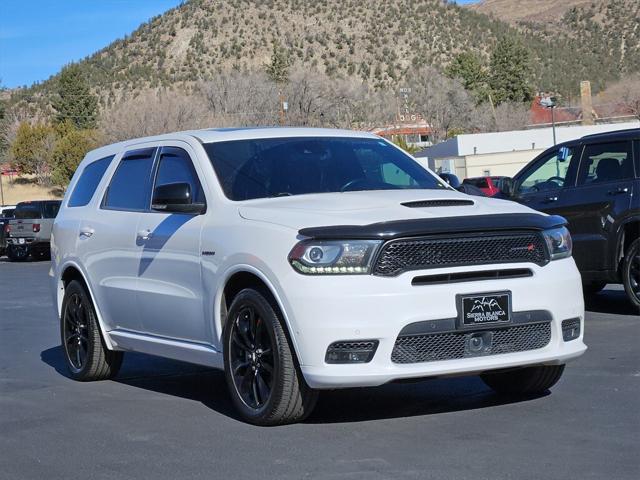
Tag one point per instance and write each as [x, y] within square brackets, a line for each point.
[351, 351]
[570, 329]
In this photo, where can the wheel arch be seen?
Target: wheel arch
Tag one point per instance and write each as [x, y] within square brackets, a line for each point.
[72, 271]
[628, 232]
[247, 276]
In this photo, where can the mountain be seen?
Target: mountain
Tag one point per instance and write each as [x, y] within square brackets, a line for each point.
[603, 34]
[539, 11]
[371, 40]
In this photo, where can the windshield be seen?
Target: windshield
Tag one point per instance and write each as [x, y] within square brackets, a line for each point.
[274, 167]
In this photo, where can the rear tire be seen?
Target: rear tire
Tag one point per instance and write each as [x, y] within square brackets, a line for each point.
[261, 370]
[523, 381]
[86, 354]
[631, 272]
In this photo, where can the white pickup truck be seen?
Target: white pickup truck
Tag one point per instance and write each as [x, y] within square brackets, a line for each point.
[29, 231]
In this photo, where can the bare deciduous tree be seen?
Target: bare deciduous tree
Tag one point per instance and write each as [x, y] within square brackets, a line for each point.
[153, 113]
[625, 93]
[443, 102]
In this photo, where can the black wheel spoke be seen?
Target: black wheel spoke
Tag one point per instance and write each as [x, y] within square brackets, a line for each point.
[262, 387]
[240, 366]
[254, 390]
[250, 357]
[75, 334]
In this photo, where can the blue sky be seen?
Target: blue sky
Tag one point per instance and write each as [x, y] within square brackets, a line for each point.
[38, 37]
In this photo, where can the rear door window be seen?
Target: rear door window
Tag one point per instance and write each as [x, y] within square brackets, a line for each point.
[88, 182]
[606, 162]
[130, 185]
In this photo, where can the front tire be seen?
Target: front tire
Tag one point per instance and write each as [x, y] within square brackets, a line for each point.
[524, 381]
[87, 357]
[631, 272]
[260, 367]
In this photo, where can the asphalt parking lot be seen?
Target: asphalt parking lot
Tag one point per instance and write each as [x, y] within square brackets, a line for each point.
[166, 419]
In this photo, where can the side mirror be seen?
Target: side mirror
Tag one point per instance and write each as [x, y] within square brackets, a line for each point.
[506, 186]
[175, 198]
[451, 179]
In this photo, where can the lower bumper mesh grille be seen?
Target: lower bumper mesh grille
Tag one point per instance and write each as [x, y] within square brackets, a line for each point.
[455, 345]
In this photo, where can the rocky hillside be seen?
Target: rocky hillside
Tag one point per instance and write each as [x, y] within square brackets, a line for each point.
[367, 39]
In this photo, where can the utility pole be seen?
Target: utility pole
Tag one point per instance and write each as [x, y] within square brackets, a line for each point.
[1, 190]
[281, 108]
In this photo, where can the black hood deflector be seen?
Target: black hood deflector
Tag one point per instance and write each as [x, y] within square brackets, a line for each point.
[433, 226]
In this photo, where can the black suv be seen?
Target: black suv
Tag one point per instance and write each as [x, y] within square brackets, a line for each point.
[594, 182]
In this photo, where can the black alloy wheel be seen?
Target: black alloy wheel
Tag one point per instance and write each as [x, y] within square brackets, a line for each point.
[76, 332]
[631, 272]
[251, 357]
[260, 366]
[85, 351]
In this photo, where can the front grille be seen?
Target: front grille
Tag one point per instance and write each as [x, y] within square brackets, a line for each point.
[455, 345]
[402, 255]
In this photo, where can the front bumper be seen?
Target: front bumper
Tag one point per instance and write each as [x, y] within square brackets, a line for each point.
[323, 310]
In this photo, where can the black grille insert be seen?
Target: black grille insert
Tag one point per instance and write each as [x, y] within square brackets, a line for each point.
[471, 276]
[406, 254]
[455, 345]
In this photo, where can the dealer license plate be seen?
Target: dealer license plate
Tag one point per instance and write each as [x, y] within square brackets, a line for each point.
[489, 308]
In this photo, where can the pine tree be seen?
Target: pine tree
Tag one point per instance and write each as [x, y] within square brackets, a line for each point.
[74, 100]
[510, 72]
[278, 67]
[468, 68]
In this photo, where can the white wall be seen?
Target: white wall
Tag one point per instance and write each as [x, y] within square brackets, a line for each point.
[533, 139]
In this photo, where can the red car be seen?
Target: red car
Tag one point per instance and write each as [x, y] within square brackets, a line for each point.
[489, 185]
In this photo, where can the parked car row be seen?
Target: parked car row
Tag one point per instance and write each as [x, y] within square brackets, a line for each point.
[26, 229]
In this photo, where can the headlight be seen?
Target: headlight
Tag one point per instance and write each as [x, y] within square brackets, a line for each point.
[334, 257]
[559, 242]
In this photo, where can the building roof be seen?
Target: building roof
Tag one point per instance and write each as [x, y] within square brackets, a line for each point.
[516, 140]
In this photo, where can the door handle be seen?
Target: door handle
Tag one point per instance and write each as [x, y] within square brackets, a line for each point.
[86, 232]
[618, 191]
[550, 199]
[145, 234]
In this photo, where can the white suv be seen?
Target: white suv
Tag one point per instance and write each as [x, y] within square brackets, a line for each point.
[306, 259]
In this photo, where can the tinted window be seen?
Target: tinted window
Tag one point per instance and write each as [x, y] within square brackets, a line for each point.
[51, 209]
[549, 173]
[293, 166]
[28, 210]
[129, 187]
[477, 182]
[88, 182]
[176, 167]
[606, 162]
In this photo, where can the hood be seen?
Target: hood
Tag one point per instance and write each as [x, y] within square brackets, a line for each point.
[364, 208]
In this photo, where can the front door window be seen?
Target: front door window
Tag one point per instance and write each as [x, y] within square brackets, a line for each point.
[549, 173]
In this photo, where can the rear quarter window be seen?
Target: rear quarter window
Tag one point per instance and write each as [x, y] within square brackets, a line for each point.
[88, 182]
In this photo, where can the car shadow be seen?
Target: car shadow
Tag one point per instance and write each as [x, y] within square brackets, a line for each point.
[611, 301]
[394, 400]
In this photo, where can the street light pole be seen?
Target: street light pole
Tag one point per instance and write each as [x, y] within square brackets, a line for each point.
[550, 102]
[553, 124]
